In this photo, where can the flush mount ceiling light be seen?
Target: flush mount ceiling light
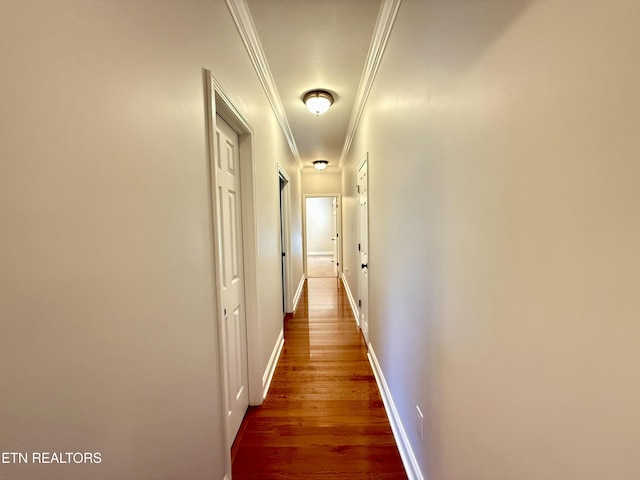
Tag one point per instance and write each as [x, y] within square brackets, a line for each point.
[320, 164]
[318, 101]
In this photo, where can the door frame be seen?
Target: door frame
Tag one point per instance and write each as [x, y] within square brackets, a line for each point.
[338, 224]
[219, 103]
[363, 298]
[285, 219]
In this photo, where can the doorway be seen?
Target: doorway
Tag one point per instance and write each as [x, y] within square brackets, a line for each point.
[285, 239]
[363, 247]
[235, 248]
[322, 244]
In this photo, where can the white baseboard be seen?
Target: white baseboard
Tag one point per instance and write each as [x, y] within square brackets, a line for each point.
[271, 366]
[321, 253]
[406, 452]
[296, 297]
[352, 302]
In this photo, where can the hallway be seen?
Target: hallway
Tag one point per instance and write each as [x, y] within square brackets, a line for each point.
[323, 417]
[484, 161]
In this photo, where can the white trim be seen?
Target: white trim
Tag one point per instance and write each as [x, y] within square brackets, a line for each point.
[296, 297]
[382, 30]
[352, 301]
[406, 452]
[271, 366]
[283, 172]
[321, 253]
[247, 29]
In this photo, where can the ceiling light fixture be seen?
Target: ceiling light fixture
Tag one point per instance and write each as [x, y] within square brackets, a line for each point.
[320, 164]
[318, 101]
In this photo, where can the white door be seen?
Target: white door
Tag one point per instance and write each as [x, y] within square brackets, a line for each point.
[230, 236]
[363, 246]
[334, 212]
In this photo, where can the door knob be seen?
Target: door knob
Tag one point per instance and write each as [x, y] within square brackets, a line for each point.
[364, 265]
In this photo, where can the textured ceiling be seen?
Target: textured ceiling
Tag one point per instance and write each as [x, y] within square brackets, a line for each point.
[312, 44]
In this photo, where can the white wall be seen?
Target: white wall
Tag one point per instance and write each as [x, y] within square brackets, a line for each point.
[504, 189]
[321, 182]
[108, 340]
[319, 215]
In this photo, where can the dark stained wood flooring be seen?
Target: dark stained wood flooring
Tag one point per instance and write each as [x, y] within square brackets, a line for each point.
[323, 417]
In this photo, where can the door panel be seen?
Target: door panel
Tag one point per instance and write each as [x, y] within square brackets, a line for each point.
[234, 209]
[234, 321]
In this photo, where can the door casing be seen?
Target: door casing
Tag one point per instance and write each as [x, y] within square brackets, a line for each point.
[219, 103]
[363, 250]
[338, 224]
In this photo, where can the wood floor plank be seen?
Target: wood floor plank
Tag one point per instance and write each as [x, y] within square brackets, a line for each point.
[323, 417]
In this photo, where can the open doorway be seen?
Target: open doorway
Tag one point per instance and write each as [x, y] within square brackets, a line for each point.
[285, 235]
[322, 236]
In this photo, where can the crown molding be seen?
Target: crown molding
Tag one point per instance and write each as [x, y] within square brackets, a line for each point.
[384, 25]
[247, 29]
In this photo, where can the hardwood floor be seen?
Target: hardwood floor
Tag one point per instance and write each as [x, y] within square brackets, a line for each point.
[323, 417]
